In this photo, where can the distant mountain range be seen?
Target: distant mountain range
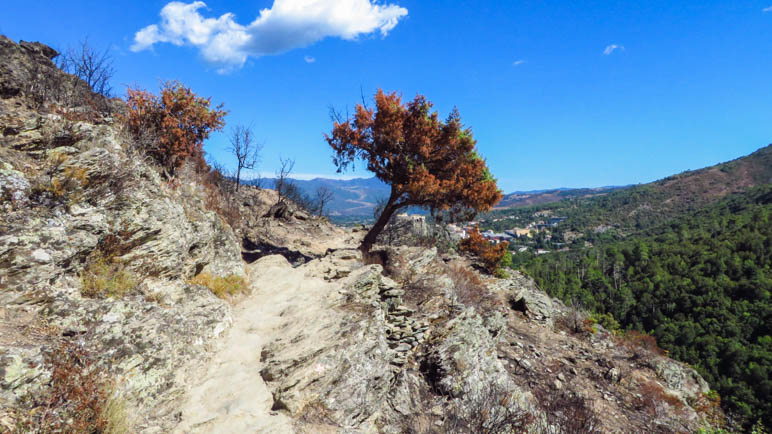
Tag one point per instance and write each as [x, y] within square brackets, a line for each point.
[351, 197]
[358, 197]
[683, 192]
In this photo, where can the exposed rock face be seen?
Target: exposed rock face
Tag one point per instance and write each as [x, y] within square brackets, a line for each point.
[270, 226]
[71, 189]
[525, 297]
[376, 364]
[405, 229]
[413, 230]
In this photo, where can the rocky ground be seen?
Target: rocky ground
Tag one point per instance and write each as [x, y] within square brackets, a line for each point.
[407, 339]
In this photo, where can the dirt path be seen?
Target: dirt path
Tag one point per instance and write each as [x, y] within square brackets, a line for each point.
[232, 396]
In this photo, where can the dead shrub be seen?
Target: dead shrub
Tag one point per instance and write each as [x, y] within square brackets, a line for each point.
[566, 413]
[471, 290]
[77, 399]
[652, 395]
[420, 288]
[178, 122]
[86, 107]
[221, 202]
[218, 192]
[489, 410]
[571, 321]
[51, 89]
[640, 344]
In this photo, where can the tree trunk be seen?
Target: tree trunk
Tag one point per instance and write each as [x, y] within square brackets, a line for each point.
[383, 219]
[238, 177]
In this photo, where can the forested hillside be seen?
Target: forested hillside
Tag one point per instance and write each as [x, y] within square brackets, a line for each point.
[643, 206]
[700, 284]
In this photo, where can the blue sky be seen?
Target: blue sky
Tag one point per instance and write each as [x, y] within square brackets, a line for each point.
[558, 94]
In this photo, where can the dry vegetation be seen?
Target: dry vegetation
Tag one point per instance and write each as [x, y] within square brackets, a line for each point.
[77, 399]
[489, 410]
[471, 291]
[494, 257]
[640, 344]
[107, 278]
[222, 287]
[105, 275]
[174, 124]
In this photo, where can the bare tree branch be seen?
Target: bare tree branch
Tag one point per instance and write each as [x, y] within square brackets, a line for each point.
[90, 65]
[245, 149]
[323, 197]
[282, 175]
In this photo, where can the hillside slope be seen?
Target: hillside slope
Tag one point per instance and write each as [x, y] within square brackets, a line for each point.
[647, 205]
[700, 284]
[528, 198]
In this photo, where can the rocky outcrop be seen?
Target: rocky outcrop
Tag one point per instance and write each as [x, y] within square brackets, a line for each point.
[272, 226]
[73, 191]
[380, 363]
[525, 297]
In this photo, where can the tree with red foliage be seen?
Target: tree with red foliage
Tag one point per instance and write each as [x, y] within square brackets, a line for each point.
[173, 125]
[428, 163]
[490, 254]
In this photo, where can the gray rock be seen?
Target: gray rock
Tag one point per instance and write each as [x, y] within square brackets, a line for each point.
[401, 348]
[525, 297]
[613, 375]
[525, 364]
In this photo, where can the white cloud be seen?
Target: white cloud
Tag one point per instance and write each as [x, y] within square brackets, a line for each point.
[518, 62]
[611, 48]
[769, 9]
[309, 59]
[287, 25]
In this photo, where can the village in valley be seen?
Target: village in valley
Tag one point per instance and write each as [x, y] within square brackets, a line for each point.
[539, 234]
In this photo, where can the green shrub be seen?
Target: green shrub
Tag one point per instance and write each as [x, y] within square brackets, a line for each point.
[607, 321]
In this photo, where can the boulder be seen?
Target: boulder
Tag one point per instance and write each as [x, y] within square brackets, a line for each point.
[525, 297]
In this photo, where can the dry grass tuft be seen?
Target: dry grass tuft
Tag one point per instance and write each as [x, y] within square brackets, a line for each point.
[652, 395]
[222, 287]
[471, 290]
[105, 278]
